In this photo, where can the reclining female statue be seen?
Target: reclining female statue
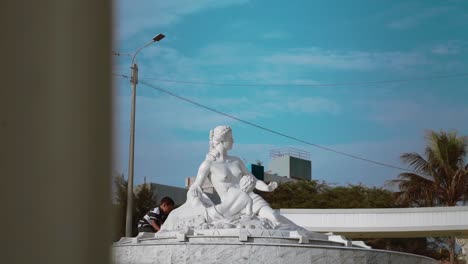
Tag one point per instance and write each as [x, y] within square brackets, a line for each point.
[233, 183]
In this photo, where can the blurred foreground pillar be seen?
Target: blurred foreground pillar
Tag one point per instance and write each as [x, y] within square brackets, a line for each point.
[55, 131]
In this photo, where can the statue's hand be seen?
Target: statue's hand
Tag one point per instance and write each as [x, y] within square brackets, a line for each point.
[247, 217]
[194, 190]
[272, 186]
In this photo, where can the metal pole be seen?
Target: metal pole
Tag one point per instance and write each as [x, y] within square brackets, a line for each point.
[134, 81]
[129, 214]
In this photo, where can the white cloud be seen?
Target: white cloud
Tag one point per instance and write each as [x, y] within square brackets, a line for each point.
[167, 163]
[172, 113]
[420, 115]
[312, 105]
[226, 53]
[137, 16]
[350, 60]
[300, 105]
[335, 168]
[417, 17]
[170, 63]
[275, 35]
[216, 61]
[446, 49]
[392, 112]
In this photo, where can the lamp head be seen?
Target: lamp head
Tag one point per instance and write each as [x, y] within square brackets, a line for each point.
[158, 37]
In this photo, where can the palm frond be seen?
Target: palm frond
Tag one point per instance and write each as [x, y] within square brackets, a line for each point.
[441, 177]
[446, 150]
[415, 189]
[418, 163]
[413, 177]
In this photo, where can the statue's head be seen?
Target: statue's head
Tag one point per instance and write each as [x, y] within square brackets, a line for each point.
[220, 135]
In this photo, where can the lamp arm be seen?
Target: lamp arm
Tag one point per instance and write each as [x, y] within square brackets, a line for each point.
[138, 50]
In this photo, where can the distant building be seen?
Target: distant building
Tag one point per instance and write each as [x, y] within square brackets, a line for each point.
[207, 187]
[290, 163]
[259, 172]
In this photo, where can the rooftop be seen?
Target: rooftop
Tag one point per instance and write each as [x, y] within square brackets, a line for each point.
[292, 152]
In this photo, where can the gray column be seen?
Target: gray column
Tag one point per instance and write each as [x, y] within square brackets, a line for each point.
[55, 137]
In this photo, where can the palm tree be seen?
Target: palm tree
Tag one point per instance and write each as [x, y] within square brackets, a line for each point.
[439, 179]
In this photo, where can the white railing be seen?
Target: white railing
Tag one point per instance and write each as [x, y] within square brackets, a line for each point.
[301, 154]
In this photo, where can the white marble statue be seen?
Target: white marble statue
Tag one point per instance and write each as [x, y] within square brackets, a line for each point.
[239, 206]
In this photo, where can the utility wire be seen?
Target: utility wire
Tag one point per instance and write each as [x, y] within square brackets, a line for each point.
[264, 128]
[313, 85]
[116, 53]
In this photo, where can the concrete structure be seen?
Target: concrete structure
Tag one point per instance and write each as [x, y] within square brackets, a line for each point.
[387, 223]
[207, 187]
[249, 246]
[290, 163]
[391, 222]
[56, 131]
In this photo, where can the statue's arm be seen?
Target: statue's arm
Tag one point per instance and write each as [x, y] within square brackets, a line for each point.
[203, 172]
[262, 186]
[259, 185]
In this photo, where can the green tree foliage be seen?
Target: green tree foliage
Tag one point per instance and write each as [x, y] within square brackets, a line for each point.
[430, 247]
[356, 196]
[119, 206]
[439, 178]
[119, 190]
[314, 194]
[293, 195]
[144, 200]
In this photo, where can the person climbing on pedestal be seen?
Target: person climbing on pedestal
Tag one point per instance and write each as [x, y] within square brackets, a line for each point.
[154, 219]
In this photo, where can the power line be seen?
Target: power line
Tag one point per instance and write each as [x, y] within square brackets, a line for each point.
[264, 128]
[117, 53]
[120, 75]
[314, 85]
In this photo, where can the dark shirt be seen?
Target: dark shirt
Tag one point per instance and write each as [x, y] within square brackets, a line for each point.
[156, 215]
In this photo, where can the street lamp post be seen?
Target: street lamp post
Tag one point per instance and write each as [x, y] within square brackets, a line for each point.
[134, 82]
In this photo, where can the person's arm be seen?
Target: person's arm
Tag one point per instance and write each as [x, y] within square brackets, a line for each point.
[259, 185]
[203, 172]
[152, 217]
[154, 225]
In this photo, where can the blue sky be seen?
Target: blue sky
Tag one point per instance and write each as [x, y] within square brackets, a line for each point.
[293, 42]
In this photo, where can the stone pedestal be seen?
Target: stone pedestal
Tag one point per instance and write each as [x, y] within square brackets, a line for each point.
[250, 246]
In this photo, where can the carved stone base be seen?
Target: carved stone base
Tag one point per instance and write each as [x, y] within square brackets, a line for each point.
[250, 246]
